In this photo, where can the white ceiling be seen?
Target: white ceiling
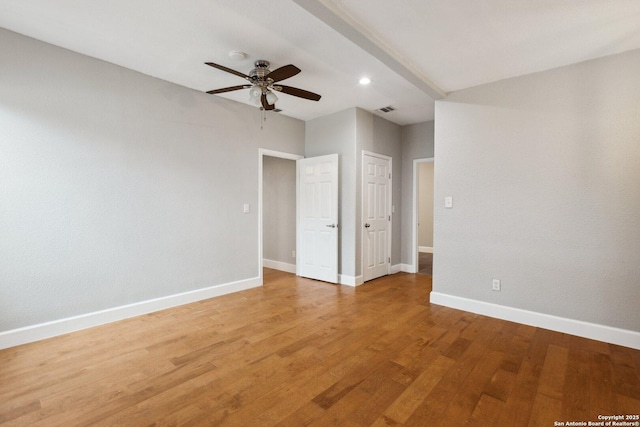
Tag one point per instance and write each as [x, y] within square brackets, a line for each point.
[413, 50]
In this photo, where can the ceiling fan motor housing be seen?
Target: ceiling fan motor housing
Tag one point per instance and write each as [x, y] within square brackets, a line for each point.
[261, 70]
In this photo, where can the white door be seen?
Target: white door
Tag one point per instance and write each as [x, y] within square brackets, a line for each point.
[318, 218]
[376, 215]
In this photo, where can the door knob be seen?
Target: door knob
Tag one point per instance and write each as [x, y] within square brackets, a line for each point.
[367, 225]
[331, 225]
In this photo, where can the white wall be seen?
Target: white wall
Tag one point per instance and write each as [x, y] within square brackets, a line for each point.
[544, 171]
[116, 187]
[279, 209]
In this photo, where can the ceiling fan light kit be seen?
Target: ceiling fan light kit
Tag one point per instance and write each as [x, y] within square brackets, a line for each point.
[262, 83]
[254, 95]
[271, 98]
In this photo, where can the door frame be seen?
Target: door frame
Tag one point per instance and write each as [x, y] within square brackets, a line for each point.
[389, 208]
[414, 222]
[262, 152]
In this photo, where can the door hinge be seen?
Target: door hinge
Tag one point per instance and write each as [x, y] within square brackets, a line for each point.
[389, 260]
[389, 175]
[389, 217]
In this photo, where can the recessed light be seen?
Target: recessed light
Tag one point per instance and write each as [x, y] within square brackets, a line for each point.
[365, 81]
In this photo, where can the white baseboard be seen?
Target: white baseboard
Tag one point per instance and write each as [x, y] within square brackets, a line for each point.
[359, 280]
[350, 280]
[425, 249]
[407, 268]
[593, 331]
[279, 265]
[42, 331]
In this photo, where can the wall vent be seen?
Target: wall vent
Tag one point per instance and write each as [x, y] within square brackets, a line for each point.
[386, 109]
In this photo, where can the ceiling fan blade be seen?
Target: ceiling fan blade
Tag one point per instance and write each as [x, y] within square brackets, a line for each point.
[228, 70]
[283, 72]
[301, 93]
[265, 104]
[228, 89]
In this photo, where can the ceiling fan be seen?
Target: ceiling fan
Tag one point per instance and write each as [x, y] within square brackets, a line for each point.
[262, 83]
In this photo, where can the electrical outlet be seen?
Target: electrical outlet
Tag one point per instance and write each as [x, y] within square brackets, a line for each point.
[495, 285]
[293, 254]
[448, 202]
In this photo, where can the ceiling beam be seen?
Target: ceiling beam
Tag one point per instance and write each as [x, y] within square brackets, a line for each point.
[344, 24]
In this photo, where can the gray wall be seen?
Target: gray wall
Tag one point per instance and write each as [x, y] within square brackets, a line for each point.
[279, 209]
[347, 133]
[544, 171]
[380, 136]
[116, 187]
[333, 134]
[417, 143]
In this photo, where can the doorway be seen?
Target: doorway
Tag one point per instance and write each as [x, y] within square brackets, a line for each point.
[423, 176]
[277, 211]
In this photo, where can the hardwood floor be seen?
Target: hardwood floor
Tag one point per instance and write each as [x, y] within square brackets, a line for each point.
[298, 352]
[425, 263]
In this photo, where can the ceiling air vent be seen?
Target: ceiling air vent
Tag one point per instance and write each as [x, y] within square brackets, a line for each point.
[386, 109]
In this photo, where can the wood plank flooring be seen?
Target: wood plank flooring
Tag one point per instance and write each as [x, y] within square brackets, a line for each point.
[425, 263]
[298, 352]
